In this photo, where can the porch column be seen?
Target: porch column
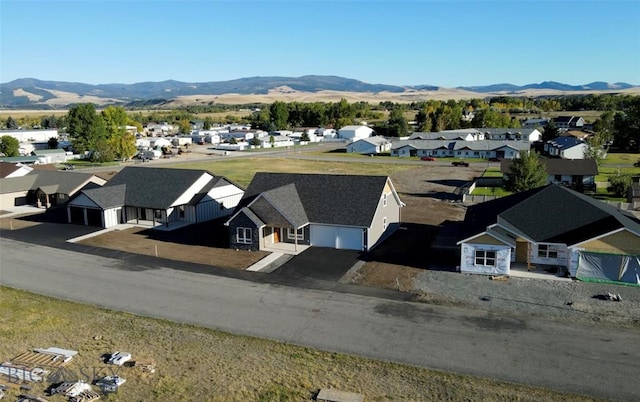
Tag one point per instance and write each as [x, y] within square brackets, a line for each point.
[84, 216]
[528, 256]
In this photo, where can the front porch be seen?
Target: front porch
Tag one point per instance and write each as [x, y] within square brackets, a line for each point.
[286, 248]
[533, 271]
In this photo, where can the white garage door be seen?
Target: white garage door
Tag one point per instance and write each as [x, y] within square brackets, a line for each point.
[336, 237]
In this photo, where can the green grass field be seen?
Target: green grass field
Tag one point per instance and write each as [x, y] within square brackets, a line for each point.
[195, 363]
[497, 191]
[242, 170]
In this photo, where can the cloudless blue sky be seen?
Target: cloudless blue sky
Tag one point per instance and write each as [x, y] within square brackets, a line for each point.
[444, 43]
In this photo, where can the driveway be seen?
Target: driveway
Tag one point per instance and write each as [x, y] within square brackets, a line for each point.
[320, 263]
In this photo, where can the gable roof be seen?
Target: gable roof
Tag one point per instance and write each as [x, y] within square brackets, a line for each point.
[286, 202]
[375, 140]
[107, 196]
[155, 188]
[7, 168]
[347, 200]
[557, 214]
[480, 145]
[551, 213]
[557, 166]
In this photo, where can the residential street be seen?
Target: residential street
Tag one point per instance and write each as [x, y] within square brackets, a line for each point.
[592, 360]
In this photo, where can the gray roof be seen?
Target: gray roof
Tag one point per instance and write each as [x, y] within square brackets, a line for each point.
[555, 214]
[156, 188]
[347, 200]
[375, 140]
[565, 142]
[286, 201]
[107, 196]
[557, 166]
[483, 145]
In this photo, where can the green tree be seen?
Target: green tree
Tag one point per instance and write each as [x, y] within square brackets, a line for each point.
[619, 184]
[206, 125]
[233, 140]
[52, 143]
[11, 124]
[255, 141]
[121, 143]
[272, 140]
[9, 146]
[85, 127]
[596, 148]
[627, 126]
[279, 114]
[550, 132]
[397, 125]
[305, 136]
[526, 173]
[184, 126]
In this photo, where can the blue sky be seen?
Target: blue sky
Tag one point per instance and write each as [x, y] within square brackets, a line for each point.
[444, 43]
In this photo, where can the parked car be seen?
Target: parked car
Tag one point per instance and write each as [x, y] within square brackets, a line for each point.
[460, 163]
[428, 158]
[495, 159]
[119, 358]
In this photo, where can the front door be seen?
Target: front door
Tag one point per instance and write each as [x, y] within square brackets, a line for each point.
[276, 235]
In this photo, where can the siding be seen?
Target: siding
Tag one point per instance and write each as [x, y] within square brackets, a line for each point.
[486, 239]
[242, 221]
[623, 242]
[376, 232]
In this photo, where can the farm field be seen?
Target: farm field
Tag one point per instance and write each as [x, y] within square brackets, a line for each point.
[196, 363]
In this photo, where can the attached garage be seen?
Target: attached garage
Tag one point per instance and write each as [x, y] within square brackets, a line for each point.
[602, 267]
[343, 238]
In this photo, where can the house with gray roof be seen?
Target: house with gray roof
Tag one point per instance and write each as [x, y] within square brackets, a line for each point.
[566, 147]
[45, 188]
[552, 226]
[578, 174]
[158, 197]
[460, 149]
[369, 146]
[285, 211]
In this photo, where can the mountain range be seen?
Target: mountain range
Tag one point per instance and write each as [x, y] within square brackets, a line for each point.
[34, 93]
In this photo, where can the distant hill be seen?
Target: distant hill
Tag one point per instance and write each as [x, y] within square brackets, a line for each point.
[550, 85]
[32, 93]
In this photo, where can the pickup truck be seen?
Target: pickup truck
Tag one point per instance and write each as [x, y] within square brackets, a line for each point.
[460, 163]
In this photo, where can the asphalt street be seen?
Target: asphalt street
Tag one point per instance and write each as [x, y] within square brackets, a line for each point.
[590, 360]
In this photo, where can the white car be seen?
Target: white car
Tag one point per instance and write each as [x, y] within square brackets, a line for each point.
[119, 358]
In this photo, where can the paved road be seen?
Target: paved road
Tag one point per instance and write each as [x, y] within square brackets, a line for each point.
[596, 361]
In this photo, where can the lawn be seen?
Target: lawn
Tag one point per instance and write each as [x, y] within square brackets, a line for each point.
[497, 191]
[622, 159]
[492, 172]
[194, 363]
[242, 170]
[606, 172]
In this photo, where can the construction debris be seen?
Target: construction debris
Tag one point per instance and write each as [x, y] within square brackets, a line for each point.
[110, 383]
[609, 296]
[71, 388]
[147, 366]
[85, 396]
[17, 374]
[52, 357]
[333, 395]
[31, 398]
[499, 277]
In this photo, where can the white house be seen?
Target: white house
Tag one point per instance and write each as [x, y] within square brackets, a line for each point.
[278, 141]
[30, 135]
[155, 196]
[355, 132]
[460, 149]
[369, 146]
[566, 147]
[327, 132]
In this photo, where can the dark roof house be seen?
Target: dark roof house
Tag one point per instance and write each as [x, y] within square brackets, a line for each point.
[339, 211]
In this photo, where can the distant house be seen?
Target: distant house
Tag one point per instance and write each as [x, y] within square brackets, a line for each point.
[280, 210]
[566, 147]
[276, 141]
[355, 132]
[579, 134]
[369, 146]
[327, 132]
[52, 155]
[460, 149]
[564, 123]
[633, 196]
[169, 198]
[45, 188]
[578, 174]
[535, 123]
[453, 135]
[31, 135]
[8, 170]
[552, 226]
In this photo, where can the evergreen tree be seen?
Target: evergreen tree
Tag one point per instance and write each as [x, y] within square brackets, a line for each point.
[526, 173]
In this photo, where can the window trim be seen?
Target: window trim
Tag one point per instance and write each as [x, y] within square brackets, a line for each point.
[384, 223]
[384, 199]
[241, 235]
[482, 257]
[547, 251]
[299, 234]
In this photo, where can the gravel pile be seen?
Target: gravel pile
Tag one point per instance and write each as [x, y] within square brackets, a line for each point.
[573, 301]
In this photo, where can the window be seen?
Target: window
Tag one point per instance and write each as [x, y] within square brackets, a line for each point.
[384, 223]
[384, 199]
[158, 214]
[244, 235]
[558, 178]
[298, 234]
[547, 251]
[485, 257]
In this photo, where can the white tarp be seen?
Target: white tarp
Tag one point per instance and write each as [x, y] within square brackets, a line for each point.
[609, 267]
